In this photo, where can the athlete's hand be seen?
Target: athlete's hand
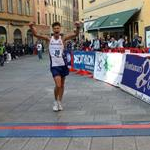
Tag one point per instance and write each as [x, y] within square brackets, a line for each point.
[31, 24]
[78, 24]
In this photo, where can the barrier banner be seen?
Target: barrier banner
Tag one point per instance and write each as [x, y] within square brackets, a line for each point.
[67, 57]
[136, 77]
[84, 60]
[109, 67]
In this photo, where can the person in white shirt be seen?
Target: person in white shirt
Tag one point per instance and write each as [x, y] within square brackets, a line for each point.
[58, 64]
[96, 44]
[120, 42]
[39, 50]
[113, 44]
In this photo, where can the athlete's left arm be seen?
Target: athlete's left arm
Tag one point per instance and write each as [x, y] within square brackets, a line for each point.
[73, 35]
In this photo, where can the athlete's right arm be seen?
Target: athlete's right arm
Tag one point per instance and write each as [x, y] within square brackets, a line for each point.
[34, 31]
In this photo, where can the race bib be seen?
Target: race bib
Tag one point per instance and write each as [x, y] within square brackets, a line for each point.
[57, 53]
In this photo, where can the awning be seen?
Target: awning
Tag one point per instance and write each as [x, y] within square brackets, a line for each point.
[113, 21]
[96, 25]
[87, 24]
[118, 20]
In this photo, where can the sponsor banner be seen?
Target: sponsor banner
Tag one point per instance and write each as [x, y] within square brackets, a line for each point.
[136, 76]
[147, 38]
[84, 60]
[109, 67]
[135, 93]
[67, 57]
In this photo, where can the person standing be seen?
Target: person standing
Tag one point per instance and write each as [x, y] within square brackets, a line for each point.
[2, 50]
[58, 66]
[120, 42]
[126, 43]
[96, 46]
[39, 50]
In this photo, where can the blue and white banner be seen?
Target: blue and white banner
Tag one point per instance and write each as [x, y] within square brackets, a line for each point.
[109, 67]
[84, 60]
[67, 57]
[136, 77]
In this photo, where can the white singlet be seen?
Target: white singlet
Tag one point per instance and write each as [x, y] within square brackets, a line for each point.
[56, 48]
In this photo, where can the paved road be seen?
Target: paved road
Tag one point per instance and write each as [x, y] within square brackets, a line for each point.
[26, 96]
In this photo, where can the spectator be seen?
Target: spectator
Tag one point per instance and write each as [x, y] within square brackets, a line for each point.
[8, 50]
[103, 43]
[113, 43]
[135, 40]
[2, 51]
[13, 51]
[86, 45]
[140, 43]
[108, 41]
[69, 45]
[120, 42]
[39, 50]
[96, 46]
[126, 43]
[42, 47]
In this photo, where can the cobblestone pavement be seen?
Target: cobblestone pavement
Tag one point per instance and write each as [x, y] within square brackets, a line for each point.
[26, 96]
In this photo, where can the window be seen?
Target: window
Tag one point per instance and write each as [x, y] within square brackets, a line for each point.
[50, 21]
[38, 17]
[53, 18]
[1, 5]
[46, 19]
[74, 3]
[28, 8]
[58, 3]
[82, 4]
[136, 27]
[10, 6]
[59, 18]
[19, 6]
[46, 2]
[55, 4]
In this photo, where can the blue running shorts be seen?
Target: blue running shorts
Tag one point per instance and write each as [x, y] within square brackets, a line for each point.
[60, 71]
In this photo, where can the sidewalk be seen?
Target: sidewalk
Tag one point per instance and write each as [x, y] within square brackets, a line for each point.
[26, 96]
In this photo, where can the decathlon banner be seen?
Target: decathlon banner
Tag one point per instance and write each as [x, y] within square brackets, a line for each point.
[136, 77]
[109, 67]
[84, 60]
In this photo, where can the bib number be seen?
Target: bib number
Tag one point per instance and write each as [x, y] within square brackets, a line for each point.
[57, 53]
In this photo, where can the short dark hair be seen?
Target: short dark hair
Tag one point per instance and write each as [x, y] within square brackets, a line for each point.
[56, 24]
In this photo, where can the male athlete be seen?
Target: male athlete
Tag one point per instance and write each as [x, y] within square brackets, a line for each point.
[58, 66]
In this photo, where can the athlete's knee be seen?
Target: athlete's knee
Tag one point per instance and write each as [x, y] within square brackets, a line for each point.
[62, 86]
[58, 86]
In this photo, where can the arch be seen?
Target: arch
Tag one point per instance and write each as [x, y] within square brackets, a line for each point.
[3, 34]
[17, 37]
[29, 37]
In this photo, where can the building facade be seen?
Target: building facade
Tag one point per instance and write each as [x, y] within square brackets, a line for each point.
[15, 16]
[116, 17]
[81, 16]
[67, 7]
[47, 12]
